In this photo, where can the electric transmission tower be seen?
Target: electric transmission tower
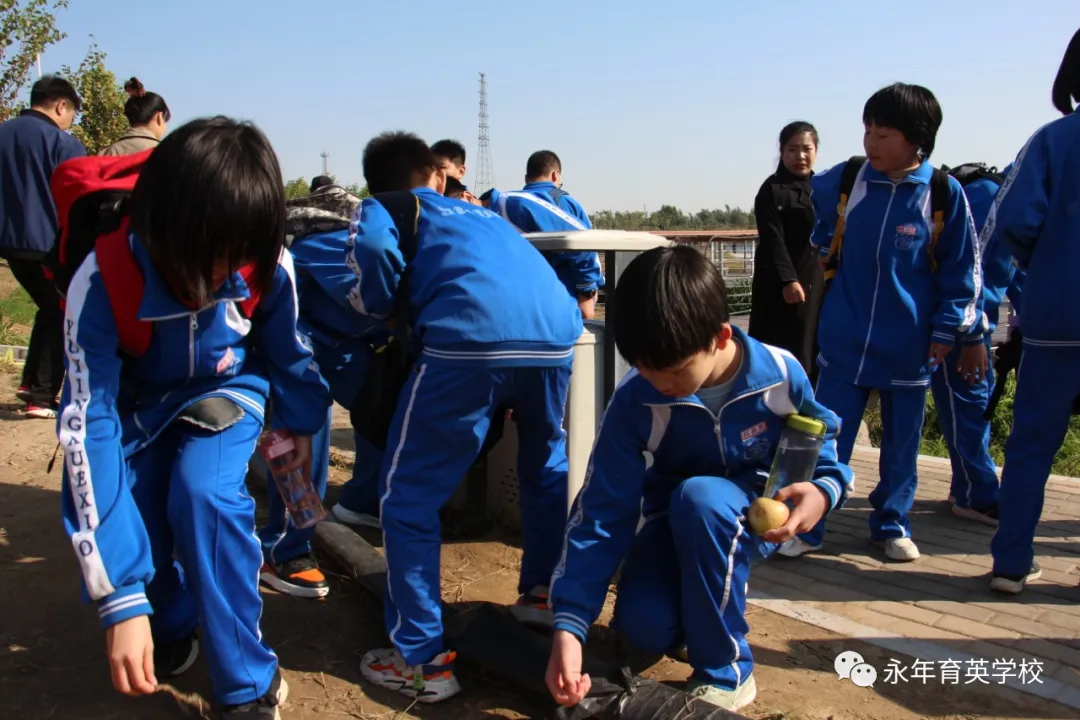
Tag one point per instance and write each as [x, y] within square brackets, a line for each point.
[484, 174]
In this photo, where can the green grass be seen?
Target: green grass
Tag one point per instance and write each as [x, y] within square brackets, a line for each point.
[1067, 461]
[16, 317]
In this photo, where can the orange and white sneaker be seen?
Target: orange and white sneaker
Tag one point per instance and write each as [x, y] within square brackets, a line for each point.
[427, 683]
[299, 577]
[532, 608]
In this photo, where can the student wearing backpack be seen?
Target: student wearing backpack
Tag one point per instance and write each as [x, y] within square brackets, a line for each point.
[788, 284]
[962, 391]
[317, 233]
[179, 327]
[543, 206]
[906, 288]
[1034, 215]
[484, 338]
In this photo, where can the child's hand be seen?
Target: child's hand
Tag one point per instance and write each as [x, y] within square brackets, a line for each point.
[973, 363]
[130, 648]
[587, 305]
[301, 456]
[938, 351]
[811, 504]
[565, 681]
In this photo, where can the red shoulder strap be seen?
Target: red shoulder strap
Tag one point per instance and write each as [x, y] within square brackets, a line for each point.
[125, 285]
[247, 308]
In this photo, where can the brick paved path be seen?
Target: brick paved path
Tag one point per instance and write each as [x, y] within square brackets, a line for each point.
[944, 596]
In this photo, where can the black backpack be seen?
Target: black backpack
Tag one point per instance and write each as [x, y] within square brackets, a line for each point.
[970, 172]
[939, 200]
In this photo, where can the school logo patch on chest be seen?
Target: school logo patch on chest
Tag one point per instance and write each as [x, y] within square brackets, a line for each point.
[757, 448]
[227, 362]
[752, 432]
[906, 236]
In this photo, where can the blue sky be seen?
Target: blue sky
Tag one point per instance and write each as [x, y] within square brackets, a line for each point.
[647, 102]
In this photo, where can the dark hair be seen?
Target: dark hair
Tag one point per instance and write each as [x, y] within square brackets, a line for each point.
[797, 128]
[542, 162]
[211, 191]
[454, 188]
[669, 304]
[911, 109]
[488, 194]
[141, 106]
[397, 161]
[51, 88]
[791, 130]
[1067, 83]
[320, 181]
[452, 150]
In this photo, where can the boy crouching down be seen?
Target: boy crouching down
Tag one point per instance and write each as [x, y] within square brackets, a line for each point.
[686, 442]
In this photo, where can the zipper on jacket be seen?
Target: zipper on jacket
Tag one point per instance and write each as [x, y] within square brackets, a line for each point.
[716, 417]
[877, 284]
[191, 344]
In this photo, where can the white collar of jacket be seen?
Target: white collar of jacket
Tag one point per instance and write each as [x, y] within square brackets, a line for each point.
[920, 175]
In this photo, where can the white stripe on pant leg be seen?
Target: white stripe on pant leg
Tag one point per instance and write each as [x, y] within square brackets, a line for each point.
[389, 477]
[955, 437]
[727, 597]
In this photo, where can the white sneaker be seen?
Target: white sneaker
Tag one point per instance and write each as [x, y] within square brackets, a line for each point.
[900, 549]
[345, 516]
[796, 547]
[1015, 585]
[427, 683]
[731, 700]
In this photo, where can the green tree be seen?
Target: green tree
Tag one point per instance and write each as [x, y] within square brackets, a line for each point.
[27, 28]
[102, 121]
[297, 188]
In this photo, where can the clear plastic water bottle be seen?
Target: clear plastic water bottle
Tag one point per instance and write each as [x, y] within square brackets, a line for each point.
[797, 454]
[278, 448]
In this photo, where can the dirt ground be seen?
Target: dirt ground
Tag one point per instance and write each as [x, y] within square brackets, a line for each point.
[52, 662]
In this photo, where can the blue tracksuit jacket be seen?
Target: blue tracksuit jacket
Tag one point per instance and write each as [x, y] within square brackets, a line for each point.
[479, 292]
[323, 283]
[886, 305]
[113, 405]
[532, 209]
[1034, 215]
[648, 444]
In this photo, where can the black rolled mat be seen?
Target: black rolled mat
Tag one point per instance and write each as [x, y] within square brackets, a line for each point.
[487, 638]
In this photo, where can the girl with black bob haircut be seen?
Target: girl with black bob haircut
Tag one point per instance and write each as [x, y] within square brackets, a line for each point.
[1034, 214]
[788, 284]
[157, 442]
[907, 288]
[149, 117]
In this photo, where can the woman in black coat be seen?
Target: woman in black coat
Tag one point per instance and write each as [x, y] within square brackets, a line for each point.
[788, 285]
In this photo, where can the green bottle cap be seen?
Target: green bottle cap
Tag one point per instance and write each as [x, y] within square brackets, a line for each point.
[810, 426]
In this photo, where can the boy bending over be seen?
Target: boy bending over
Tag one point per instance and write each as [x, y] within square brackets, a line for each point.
[686, 442]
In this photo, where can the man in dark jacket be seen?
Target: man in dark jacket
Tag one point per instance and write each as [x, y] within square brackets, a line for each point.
[31, 146]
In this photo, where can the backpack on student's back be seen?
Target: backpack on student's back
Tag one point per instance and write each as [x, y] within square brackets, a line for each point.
[92, 196]
[970, 172]
[939, 201]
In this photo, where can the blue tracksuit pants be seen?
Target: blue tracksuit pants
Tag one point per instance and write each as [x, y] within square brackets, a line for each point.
[281, 541]
[189, 488]
[442, 419]
[902, 412]
[960, 407]
[1046, 384]
[685, 579]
